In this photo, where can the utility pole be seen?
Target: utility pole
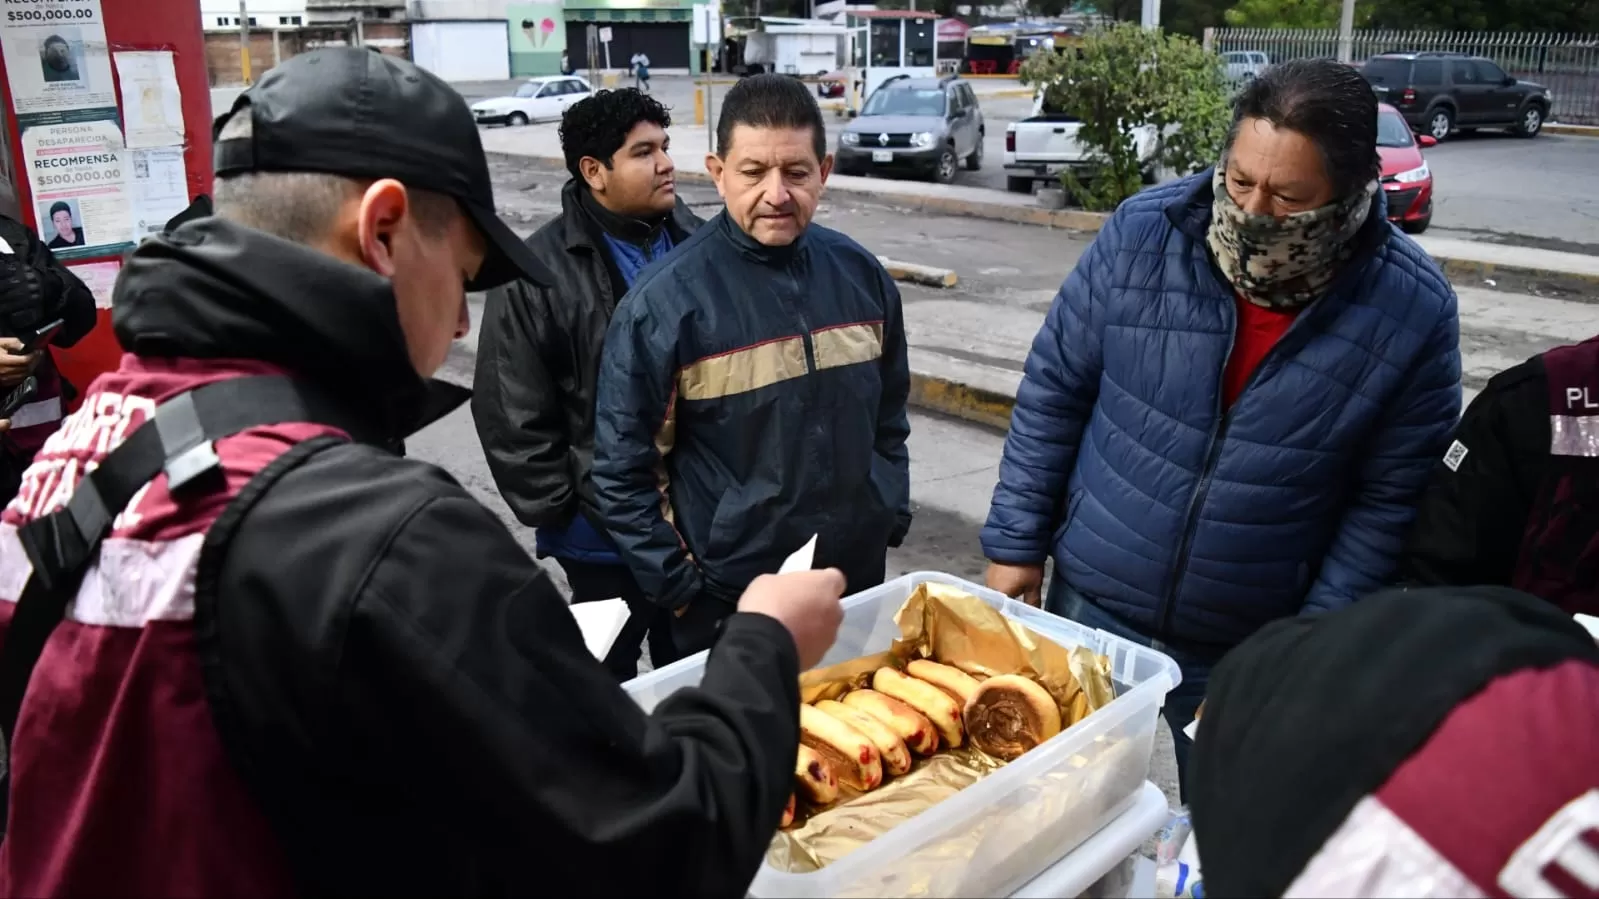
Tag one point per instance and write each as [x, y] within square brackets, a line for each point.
[244, 42]
[1346, 28]
[1149, 13]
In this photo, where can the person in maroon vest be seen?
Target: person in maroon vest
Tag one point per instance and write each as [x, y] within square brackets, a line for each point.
[325, 669]
[1423, 742]
[1515, 499]
[36, 291]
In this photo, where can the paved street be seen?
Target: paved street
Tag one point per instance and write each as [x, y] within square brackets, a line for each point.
[1490, 185]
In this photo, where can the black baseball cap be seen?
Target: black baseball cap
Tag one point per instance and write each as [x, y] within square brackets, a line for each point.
[344, 111]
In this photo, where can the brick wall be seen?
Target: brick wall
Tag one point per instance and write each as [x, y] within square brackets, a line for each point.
[222, 47]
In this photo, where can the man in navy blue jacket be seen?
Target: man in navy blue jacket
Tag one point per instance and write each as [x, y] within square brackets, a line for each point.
[754, 384]
[1237, 397]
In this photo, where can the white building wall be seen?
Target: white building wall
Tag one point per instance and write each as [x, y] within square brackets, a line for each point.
[445, 10]
[223, 15]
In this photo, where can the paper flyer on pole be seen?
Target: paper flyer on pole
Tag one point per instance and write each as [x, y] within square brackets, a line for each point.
[57, 60]
[159, 187]
[100, 277]
[78, 173]
[152, 107]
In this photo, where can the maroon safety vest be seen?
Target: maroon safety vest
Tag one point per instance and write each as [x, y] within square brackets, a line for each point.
[120, 782]
[1559, 559]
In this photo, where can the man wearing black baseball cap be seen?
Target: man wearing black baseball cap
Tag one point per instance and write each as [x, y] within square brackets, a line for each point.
[296, 662]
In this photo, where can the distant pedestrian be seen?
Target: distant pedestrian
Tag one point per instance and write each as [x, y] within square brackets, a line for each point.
[1236, 398]
[641, 71]
[566, 63]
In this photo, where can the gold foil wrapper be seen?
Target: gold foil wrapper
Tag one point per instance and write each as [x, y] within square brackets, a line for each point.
[947, 625]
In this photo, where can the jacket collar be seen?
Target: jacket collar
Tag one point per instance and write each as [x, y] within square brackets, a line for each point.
[581, 229]
[750, 248]
[213, 289]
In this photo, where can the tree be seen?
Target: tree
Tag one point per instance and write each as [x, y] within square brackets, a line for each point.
[1284, 14]
[1191, 17]
[1487, 15]
[1125, 76]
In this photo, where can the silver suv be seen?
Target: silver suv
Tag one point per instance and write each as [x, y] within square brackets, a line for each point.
[918, 125]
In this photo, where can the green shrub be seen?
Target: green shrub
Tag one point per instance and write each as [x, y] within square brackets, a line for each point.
[1123, 76]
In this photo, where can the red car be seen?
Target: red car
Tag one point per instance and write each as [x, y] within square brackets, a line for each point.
[1405, 176]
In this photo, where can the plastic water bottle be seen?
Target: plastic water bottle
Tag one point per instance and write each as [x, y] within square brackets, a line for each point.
[1177, 880]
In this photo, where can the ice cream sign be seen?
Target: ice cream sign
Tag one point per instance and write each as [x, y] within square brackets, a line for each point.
[543, 27]
[541, 35]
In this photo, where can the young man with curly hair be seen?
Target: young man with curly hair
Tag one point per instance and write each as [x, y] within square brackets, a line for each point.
[539, 349]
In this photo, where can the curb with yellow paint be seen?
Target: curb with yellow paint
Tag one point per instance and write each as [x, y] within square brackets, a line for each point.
[932, 393]
[915, 273]
[1571, 130]
[1580, 284]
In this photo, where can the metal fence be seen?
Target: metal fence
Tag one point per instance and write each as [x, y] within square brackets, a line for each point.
[1567, 64]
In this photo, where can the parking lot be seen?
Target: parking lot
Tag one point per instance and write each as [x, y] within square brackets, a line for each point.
[1490, 186]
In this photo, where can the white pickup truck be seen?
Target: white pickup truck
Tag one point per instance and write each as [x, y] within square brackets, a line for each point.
[1039, 148]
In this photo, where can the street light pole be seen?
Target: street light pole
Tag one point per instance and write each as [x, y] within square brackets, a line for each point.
[1346, 27]
[1149, 13]
[244, 42]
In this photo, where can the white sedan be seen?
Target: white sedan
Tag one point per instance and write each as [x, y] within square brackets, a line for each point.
[539, 100]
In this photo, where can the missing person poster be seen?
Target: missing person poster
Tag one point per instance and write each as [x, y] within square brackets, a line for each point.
[100, 278]
[79, 176]
[152, 106]
[57, 61]
[159, 189]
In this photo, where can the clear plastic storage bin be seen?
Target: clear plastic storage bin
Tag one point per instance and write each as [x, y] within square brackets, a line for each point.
[1001, 832]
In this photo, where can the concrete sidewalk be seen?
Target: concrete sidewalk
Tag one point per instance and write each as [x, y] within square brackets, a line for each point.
[1471, 262]
[967, 353]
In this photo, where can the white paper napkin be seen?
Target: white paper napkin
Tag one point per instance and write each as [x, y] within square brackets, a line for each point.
[1589, 622]
[802, 559]
[601, 623]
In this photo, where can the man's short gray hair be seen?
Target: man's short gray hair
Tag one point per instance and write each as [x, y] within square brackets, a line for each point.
[302, 206]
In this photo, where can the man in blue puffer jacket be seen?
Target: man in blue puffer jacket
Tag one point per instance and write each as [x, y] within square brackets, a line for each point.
[1237, 397]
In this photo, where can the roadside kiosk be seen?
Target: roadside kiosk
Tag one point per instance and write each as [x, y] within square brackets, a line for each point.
[889, 43]
[106, 108]
[999, 50]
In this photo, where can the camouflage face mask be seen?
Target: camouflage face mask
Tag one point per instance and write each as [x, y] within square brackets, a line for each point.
[1285, 263]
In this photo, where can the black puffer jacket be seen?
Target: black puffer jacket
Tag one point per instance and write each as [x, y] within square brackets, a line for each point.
[538, 361]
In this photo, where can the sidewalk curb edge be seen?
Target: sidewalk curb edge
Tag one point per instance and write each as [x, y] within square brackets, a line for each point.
[1571, 130]
[944, 396]
[916, 273]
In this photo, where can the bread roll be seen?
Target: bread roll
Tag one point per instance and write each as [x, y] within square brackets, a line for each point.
[896, 756]
[788, 813]
[851, 754]
[925, 698]
[815, 776]
[1011, 714]
[958, 684]
[919, 734]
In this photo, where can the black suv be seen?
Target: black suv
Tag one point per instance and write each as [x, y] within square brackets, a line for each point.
[1439, 93]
